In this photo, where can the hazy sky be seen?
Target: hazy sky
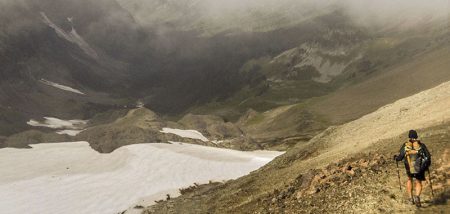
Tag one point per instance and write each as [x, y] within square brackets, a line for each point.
[220, 13]
[264, 15]
[386, 11]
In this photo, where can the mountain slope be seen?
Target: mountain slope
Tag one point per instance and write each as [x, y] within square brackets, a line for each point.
[422, 72]
[174, 56]
[344, 55]
[372, 132]
[97, 48]
[45, 49]
[305, 119]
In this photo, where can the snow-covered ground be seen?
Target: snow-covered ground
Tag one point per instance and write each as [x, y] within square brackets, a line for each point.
[67, 127]
[55, 123]
[72, 178]
[69, 132]
[62, 87]
[193, 134]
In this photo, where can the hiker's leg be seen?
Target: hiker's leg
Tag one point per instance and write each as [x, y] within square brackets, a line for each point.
[418, 190]
[418, 187]
[409, 187]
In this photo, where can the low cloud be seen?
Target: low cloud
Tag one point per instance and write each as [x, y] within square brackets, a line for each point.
[258, 14]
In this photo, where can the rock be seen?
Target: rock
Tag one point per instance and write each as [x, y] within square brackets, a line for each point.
[24, 139]
[350, 172]
[274, 200]
[291, 190]
[243, 143]
[364, 164]
[307, 179]
[211, 126]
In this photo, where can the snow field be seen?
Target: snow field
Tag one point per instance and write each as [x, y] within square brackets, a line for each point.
[72, 178]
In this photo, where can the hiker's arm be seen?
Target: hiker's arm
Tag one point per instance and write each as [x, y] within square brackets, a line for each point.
[401, 155]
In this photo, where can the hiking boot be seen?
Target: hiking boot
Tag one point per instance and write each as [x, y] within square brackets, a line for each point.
[417, 201]
[411, 201]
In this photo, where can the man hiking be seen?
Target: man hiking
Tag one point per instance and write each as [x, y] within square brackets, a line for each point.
[417, 159]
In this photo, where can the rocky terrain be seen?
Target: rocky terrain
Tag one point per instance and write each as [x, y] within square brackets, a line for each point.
[350, 165]
[138, 126]
[144, 126]
[365, 183]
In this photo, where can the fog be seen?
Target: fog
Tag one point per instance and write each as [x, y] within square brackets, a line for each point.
[391, 12]
[262, 15]
[214, 16]
[154, 43]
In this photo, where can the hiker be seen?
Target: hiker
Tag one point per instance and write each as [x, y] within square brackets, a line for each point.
[417, 159]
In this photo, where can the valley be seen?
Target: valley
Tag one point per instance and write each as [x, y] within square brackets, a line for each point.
[239, 106]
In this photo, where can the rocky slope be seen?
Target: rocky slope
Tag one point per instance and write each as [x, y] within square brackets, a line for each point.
[370, 140]
[144, 126]
[224, 134]
[81, 58]
[212, 126]
[53, 64]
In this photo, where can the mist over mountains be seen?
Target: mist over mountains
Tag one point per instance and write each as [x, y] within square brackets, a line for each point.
[179, 55]
[213, 16]
[321, 85]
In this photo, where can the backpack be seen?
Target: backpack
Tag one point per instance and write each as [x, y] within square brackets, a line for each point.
[417, 159]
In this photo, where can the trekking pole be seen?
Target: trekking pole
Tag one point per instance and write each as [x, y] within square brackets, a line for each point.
[431, 183]
[398, 174]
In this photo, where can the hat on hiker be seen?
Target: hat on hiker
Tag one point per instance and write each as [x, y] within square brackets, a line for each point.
[413, 134]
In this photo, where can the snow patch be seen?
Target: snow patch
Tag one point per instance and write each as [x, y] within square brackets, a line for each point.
[217, 141]
[73, 178]
[62, 87]
[71, 36]
[262, 159]
[69, 132]
[55, 123]
[139, 104]
[193, 134]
